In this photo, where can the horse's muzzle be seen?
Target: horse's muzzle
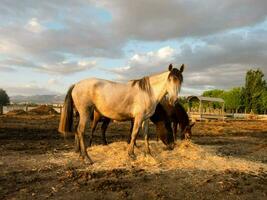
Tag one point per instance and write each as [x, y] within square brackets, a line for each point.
[170, 146]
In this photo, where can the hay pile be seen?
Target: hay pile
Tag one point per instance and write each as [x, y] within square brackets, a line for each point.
[43, 110]
[185, 156]
[16, 112]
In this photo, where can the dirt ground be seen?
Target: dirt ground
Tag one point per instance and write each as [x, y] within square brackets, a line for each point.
[224, 160]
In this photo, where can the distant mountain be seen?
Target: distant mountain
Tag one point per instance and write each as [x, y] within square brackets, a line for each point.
[40, 99]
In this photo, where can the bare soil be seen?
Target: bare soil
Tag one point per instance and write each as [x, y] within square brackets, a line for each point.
[224, 160]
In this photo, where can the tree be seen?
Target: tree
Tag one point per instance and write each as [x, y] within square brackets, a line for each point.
[232, 98]
[263, 101]
[4, 99]
[214, 93]
[254, 89]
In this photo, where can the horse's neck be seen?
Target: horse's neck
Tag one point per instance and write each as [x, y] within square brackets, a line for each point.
[158, 85]
[182, 118]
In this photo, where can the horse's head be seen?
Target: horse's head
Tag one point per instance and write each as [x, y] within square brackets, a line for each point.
[163, 126]
[174, 82]
[164, 132]
[186, 133]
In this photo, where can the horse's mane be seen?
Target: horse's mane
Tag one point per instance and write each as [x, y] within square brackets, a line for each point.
[143, 84]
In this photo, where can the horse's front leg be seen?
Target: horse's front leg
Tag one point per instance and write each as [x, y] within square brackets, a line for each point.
[131, 130]
[145, 128]
[174, 127]
[137, 124]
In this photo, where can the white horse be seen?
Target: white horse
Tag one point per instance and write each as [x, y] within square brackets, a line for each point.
[136, 99]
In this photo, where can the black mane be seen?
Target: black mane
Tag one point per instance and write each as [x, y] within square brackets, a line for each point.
[143, 84]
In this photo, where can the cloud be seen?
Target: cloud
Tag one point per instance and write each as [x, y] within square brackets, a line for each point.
[6, 69]
[162, 20]
[28, 89]
[146, 63]
[53, 81]
[68, 67]
[34, 26]
[219, 61]
[61, 67]
[49, 32]
[217, 40]
[50, 29]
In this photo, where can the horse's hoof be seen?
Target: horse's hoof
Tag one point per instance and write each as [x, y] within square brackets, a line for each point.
[170, 147]
[132, 156]
[76, 150]
[88, 161]
[148, 154]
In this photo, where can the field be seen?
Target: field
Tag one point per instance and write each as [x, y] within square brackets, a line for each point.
[224, 160]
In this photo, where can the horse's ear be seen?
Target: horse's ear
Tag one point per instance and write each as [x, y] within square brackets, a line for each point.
[182, 68]
[191, 125]
[170, 67]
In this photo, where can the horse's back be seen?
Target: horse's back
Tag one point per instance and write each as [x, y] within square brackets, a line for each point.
[112, 99]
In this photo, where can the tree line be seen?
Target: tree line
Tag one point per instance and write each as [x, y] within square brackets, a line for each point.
[252, 97]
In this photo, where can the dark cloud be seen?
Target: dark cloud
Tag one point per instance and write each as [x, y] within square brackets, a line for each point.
[61, 36]
[49, 32]
[220, 61]
[162, 20]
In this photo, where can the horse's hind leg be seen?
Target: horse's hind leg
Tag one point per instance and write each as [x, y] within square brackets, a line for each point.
[94, 125]
[77, 143]
[145, 131]
[80, 131]
[103, 130]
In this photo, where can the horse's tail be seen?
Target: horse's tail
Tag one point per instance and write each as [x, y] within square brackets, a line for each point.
[66, 118]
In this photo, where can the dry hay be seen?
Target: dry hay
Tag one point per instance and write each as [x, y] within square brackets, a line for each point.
[43, 110]
[216, 128]
[16, 112]
[185, 156]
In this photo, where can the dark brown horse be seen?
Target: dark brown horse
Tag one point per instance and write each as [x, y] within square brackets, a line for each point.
[178, 116]
[159, 118]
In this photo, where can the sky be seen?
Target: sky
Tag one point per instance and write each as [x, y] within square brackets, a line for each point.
[45, 46]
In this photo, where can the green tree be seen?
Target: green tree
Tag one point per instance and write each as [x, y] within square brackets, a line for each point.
[183, 101]
[253, 92]
[4, 99]
[263, 101]
[213, 93]
[232, 99]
